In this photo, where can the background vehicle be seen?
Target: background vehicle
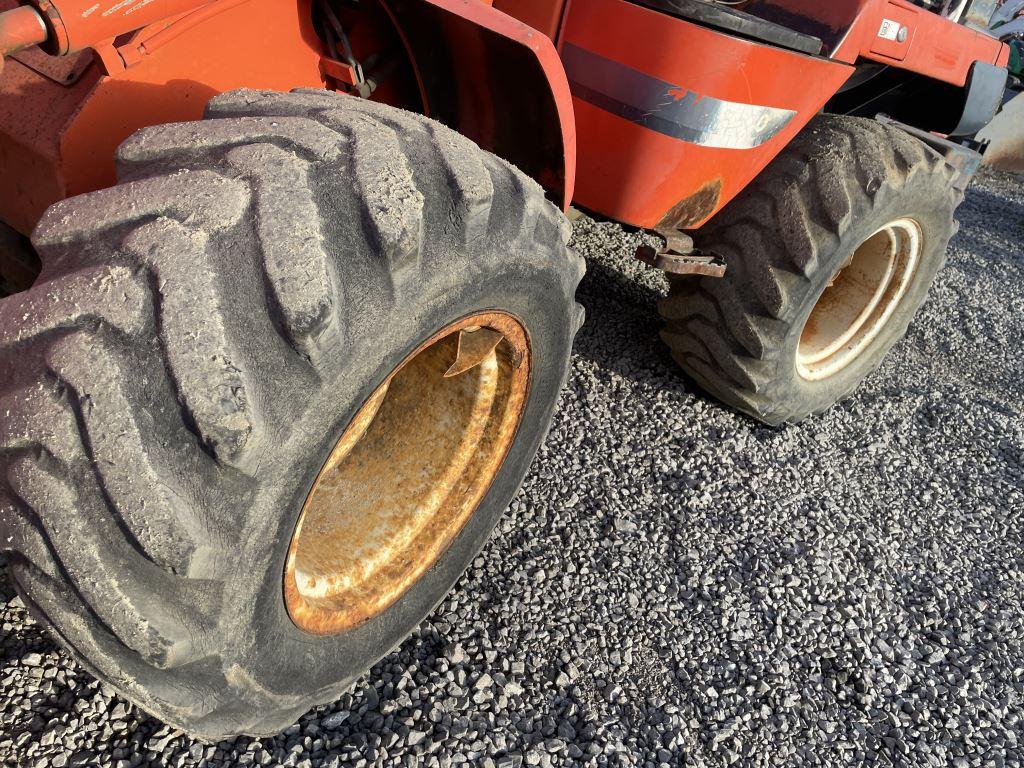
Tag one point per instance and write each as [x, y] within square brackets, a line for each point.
[284, 366]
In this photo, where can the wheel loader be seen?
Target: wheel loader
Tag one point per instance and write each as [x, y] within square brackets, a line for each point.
[290, 301]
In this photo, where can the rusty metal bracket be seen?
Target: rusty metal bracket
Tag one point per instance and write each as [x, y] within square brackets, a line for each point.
[66, 70]
[679, 256]
[475, 344]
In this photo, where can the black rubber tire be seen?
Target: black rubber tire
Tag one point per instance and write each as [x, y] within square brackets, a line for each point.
[19, 264]
[784, 239]
[198, 339]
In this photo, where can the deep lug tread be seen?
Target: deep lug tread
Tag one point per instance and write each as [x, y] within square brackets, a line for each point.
[295, 259]
[110, 294]
[167, 529]
[761, 274]
[393, 213]
[25, 530]
[202, 199]
[199, 355]
[468, 175]
[107, 575]
[177, 145]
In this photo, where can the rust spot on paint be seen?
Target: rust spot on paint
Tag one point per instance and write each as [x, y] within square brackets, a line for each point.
[692, 210]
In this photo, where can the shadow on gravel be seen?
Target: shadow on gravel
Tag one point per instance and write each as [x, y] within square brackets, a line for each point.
[995, 213]
[606, 284]
[623, 311]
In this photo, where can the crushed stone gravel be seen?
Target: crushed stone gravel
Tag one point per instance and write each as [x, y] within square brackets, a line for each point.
[677, 585]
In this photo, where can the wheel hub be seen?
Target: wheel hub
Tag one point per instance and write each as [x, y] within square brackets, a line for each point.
[407, 473]
[860, 300]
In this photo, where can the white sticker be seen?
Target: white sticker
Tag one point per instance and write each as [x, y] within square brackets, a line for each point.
[890, 29]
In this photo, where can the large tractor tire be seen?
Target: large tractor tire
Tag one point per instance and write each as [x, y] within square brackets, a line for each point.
[830, 252]
[269, 396]
[19, 264]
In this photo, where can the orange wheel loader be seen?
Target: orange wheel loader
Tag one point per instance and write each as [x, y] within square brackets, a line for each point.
[290, 302]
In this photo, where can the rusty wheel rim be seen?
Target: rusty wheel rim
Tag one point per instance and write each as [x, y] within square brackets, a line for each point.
[407, 473]
[860, 300]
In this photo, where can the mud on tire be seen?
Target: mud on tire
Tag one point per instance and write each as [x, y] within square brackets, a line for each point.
[199, 337]
[785, 239]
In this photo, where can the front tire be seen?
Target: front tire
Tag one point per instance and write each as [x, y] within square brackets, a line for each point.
[199, 342]
[830, 253]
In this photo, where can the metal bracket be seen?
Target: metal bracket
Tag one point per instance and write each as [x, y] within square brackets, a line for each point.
[475, 345]
[65, 70]
[679, 256]
[342, 65]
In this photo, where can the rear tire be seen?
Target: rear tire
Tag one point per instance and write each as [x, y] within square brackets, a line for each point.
[19, 264]
[198, 340]
[786, 239]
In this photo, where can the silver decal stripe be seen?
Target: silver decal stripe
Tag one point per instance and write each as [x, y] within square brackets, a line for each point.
[668, 108]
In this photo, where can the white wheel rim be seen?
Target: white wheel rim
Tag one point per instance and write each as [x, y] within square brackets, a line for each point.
[860, 300]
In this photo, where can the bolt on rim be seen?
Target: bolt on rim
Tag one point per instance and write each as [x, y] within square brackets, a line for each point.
[860, 300]
[407, 473]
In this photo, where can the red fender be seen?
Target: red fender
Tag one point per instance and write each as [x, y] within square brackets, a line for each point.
[497, 81]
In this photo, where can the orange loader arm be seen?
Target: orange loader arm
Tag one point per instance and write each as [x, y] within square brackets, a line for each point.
[72, 25]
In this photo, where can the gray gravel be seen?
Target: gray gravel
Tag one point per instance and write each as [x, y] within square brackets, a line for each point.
[678, 585]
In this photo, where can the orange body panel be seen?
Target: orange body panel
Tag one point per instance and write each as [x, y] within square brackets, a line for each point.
[933, 46]
[176, 84]
[638, 175]
[543, 15]
[59, 141]
[674, 118]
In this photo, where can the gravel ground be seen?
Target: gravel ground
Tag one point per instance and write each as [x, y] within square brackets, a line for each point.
[678, 585]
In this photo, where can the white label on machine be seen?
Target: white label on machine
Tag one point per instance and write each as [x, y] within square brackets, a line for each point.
[890, 29]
